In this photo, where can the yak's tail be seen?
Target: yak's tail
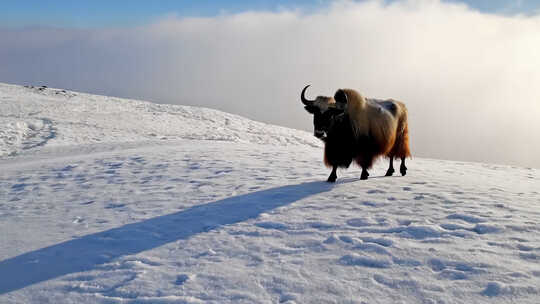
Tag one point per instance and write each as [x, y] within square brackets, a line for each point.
[401, 145]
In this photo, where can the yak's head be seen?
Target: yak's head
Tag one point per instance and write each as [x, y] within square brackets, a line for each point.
[324, 110]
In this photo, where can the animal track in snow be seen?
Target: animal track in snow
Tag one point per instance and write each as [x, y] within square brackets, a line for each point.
[380, 241]
[358, 260]
[360, 222]
[370, 204]
[467, 218]
[271, 225]
[181, 279]
[412, 232]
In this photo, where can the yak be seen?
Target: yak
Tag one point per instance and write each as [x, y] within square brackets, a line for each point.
[356, 128]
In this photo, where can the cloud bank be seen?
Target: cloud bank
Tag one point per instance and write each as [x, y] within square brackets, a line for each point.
[470, 80]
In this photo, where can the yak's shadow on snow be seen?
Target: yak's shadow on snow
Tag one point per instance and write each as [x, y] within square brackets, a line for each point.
[87, 252]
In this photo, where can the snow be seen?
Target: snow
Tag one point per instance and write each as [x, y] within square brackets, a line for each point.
[106, 200]
[38, 116]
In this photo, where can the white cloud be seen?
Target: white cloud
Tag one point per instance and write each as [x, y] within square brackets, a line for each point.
[469, 79]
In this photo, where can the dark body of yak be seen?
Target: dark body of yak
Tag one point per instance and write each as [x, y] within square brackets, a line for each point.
[359, 129]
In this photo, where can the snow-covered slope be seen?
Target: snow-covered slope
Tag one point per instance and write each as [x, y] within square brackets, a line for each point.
[37, 116]
[104, 200]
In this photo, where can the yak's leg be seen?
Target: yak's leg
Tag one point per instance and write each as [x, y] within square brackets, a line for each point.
[364, 164]
[402, 167]
[365, 174]
[333, 175]
[390, 170]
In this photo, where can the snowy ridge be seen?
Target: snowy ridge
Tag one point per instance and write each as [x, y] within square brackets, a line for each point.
[35, 117]
[238, 221]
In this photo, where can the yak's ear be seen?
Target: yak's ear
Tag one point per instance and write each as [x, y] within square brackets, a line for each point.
[311, 109]
[341, 98]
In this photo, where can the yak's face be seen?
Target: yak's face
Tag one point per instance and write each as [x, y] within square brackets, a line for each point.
[322, 119]
[323, 109]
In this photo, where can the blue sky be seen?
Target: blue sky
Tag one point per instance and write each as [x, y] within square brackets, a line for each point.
[100, 13]
[105, 13]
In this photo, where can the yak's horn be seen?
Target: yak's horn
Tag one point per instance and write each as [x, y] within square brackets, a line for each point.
[305, 101]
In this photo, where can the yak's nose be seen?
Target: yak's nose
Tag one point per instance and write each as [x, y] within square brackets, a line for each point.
[319, 134]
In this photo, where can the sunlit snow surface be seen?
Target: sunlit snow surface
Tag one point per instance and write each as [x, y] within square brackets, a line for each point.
[105, 200]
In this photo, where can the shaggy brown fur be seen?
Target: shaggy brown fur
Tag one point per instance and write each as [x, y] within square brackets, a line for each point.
[382, 125]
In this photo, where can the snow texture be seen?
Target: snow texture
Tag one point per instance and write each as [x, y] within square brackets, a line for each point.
[106, 200]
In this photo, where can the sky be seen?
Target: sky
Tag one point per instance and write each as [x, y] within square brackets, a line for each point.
[105, 13]
[467, 70]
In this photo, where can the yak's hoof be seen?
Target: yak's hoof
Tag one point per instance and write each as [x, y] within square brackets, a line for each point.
[364, 175]
[403, 170]
[389, 172]
[331, 179]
